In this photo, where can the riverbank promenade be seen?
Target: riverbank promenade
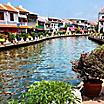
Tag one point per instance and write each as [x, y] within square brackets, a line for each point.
[17, 44]
[98, 39]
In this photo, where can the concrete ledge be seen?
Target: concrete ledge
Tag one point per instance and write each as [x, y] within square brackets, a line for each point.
[22, 44]
[97, 39]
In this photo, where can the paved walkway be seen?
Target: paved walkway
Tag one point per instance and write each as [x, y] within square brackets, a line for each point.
[96, 100]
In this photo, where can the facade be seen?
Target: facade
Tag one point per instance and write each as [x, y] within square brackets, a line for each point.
[32, 20]
[16, 19]
[41, 24]
[8, 18]
[55, 23]
[101, 21]
[79, 25]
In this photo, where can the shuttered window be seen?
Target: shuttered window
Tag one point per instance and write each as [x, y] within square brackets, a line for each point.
[1, 15]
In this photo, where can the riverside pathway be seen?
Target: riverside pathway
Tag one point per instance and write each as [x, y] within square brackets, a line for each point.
[98, 39]
[22, 43]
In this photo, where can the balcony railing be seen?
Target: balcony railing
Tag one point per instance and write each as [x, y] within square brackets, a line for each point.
[23, 23]
[22, 16]
[2, 22]
[11, 22]
[31, 23]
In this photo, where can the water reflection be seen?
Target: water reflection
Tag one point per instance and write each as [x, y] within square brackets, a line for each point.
[49, 60]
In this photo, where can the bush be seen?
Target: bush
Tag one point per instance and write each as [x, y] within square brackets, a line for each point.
[52, 92]
[91, 65]
[11, 36]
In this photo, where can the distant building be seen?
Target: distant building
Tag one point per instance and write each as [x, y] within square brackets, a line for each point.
[80, 25]
[41, 24]
[55, 23]
[101, 21]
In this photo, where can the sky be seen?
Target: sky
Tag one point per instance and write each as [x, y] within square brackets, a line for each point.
[80, 9]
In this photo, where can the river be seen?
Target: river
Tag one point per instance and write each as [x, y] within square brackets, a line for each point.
[49, 60]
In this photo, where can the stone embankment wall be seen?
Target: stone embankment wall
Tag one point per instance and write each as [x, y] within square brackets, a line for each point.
[31, 42]
[98, 39]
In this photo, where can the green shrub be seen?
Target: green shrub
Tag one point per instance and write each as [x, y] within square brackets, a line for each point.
[52, 92]
[11, 36]
[24, 35]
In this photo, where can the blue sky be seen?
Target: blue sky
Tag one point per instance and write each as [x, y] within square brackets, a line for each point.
[83, 9]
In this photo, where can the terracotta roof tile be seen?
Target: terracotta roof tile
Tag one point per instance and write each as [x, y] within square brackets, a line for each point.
[22, 10]
[1, 8]
[10, 8]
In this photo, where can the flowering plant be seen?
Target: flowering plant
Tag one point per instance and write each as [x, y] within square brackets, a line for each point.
[90, 65]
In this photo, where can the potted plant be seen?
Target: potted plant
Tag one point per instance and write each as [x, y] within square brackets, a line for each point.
[33, 35]
[90, 67]
[18, 36]
[48, 92]
[11, 37]
[24, 36]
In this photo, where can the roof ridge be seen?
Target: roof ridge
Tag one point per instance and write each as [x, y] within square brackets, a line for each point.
[22, 8]
[13, 7]
[3, 6]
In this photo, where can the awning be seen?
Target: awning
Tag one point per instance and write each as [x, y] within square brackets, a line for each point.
[23, 27]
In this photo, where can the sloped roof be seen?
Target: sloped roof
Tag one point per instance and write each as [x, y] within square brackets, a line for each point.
[65, 20]
[22, 10]
[10, 8]
[2, 7]
[94, 23]
[42, 19]
[102, 10]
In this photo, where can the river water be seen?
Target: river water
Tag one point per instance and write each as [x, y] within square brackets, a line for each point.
[49, 60]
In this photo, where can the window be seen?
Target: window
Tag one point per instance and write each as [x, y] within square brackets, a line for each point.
[102, 16]
[1, 15]
[22, 19]
[11, 17]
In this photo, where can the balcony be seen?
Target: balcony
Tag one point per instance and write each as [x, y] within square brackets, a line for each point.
[31, 24]
[12, 22]
[23, 23]
[2, 22]
[22, 16]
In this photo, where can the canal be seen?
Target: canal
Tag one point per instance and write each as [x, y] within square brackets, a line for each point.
[49, 60]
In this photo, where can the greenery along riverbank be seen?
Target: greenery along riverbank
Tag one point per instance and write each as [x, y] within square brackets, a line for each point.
[48, 92]
[18, 40]
[91, 65]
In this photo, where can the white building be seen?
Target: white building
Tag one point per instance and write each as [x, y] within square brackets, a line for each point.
[13, 18]
[101, 21]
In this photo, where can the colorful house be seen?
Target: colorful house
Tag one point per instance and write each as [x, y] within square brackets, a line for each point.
[54, 23]
[8, 18]
[32, 21]
[16, 19]
[22, 19]
[40, 25]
